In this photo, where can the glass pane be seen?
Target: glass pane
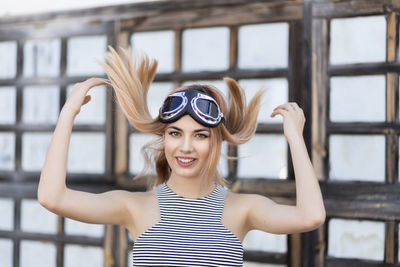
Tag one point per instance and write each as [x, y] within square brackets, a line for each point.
[8, 62]
[6, 252]
[357, 157]
[82, 256]
[34, 150]
[360, 98]
[40, 104]
[36, 219]
[7, 104]
[130, 258]
[34, 253]
[276, 93]
[42, 58]
[262, 241]
[356, 239]
[136, 159]
[263, 156]
[266, 52]
[223, 162]
[93, 112]
[358, 40]
[7, 214]
[205, 49]
[158, 45]
[87, 153]
[253, 264]
[7, 151]
[157, 93]
[83, 53]
[73, 227]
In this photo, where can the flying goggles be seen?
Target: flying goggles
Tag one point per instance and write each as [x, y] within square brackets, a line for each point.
[201, 107]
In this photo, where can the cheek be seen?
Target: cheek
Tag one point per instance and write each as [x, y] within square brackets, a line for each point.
[204, 148]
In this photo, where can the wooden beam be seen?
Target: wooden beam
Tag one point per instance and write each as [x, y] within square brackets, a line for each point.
[265, 257]
[353, 8]
[332, 262]
[390, 239]
[152, 8]
[319, 98]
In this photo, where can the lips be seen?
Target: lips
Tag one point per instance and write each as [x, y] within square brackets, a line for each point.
[185, 161]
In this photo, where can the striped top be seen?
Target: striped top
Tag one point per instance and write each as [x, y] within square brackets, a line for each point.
[189, 233]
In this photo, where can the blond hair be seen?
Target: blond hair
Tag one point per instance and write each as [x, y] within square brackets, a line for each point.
[131, 81]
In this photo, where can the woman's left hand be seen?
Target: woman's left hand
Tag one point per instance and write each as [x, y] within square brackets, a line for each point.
[293, 119]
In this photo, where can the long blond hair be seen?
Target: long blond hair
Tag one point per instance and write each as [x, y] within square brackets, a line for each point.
[131, 81]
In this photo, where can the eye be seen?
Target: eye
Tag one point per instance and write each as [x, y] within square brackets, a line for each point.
[201, 136]
[174, 133]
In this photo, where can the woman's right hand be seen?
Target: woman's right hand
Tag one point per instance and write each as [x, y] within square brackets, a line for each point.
[79, 97]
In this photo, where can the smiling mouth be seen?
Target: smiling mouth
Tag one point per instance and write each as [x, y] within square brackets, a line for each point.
[185, 160]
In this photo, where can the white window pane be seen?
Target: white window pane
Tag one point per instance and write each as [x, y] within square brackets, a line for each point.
[130, 258]
[258, 50]
[205, 49]
[276, 94]
[8, 62]
[158, 45]
[73, 227]
[263, 156]
[83, 53]
[7, 214]
[136, 159]
[36, 219]
[357, 157]
[42, 58]
[93, 112]
[7, 104]
[33, 253]
[6, 252]
[83, 256]
[358, 40]
[356, 99]
[356, 239]
[34, 150]
[262, 241]
[40, 104]
[86, 153]
[223, 162]
[7, 151]
[253, 264]
[157, 93]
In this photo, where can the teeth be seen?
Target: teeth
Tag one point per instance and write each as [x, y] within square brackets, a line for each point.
[185, 160]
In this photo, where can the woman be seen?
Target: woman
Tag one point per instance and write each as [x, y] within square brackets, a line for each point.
[189, 217]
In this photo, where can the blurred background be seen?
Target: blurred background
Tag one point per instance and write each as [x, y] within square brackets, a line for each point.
[337, 59]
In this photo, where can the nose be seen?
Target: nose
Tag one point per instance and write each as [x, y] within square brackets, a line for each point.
[186, 145]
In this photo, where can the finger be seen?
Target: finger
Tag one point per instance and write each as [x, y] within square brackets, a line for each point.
[84, 87]
[280, 111]
[285, 106]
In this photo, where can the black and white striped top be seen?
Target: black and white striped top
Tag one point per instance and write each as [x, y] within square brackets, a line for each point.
[189, 233]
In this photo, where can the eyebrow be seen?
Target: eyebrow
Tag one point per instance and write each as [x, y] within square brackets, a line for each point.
[196, 131]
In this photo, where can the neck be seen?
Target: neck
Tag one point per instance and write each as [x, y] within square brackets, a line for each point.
[191, 188]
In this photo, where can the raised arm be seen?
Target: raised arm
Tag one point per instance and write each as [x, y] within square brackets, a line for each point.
[309, 212]
[53, 194]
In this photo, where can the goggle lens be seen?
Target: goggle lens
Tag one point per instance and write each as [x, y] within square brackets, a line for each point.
[171, 103]
[207, 107]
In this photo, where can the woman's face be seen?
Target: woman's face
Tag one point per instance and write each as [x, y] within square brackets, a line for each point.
[187, 147]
